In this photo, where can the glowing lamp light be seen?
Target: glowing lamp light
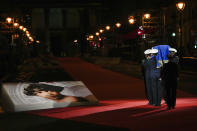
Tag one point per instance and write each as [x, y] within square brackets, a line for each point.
[100, 39]
[24, 29]
[195, 46]
[9, 19]
[107, 27]
[21, 27]
[38, 41]
[16, 24]
[101, 30]
[28, 35]
[131, 20]
[91, 36]
[30, 38]
[118, 25]
[97, 33]
[147, 16]
[173, 34]
[180, 6]
[87, 39]
[75, 41]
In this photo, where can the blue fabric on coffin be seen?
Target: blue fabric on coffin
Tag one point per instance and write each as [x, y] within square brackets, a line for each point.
[163, 51]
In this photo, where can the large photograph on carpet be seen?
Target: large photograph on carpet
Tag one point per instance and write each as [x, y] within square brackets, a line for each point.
[45, 95]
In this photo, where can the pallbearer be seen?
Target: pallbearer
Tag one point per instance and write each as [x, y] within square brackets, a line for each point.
[146, 74]
[173, 55]
[174, 59]
[155, 82]
[150, 65]
[162, 58]
[169, 75]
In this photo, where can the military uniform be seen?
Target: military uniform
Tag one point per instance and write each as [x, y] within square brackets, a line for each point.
[148, 80]
[146, 74]
[143, 68]
[169, 75]
[155, 83]
[174, 59]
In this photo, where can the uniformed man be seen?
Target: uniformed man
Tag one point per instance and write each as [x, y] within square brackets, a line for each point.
[173, 55]
[169, 75]
[162, 58]
[150, 66]
[146, 74]
[155, 82]
[175, 59]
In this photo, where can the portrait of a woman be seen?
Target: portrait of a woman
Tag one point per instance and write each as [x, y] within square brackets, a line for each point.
[51, 92]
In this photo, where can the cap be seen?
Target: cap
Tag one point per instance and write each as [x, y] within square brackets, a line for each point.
[173, 50]
[147, 51]
[153, 51]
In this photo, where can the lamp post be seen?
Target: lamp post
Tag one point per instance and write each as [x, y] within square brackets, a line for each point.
[180, 7]
[10, 22]
[131, 20]
[118, 25]
[101, 30]
[147, 16]
[107, 27]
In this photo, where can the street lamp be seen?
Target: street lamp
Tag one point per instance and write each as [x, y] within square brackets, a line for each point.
[97, 33]
[131, 20]
[147, 16]
[91, 37]
[180, 7]
[146, 20]
[118, 25]
[21, 27]
[28, 35]
[107, 27]
[37, 41]
[173, 34]
[27, 32]
[16, 25]
[101, 30]
[24, 29]
[9, 20]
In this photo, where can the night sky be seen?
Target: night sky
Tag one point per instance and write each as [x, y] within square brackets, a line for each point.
[109, 3]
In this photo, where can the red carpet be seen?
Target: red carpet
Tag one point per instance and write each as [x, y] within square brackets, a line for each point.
[122, 102]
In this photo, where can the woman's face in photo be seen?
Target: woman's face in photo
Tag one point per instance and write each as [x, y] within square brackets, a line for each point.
[47, 94]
